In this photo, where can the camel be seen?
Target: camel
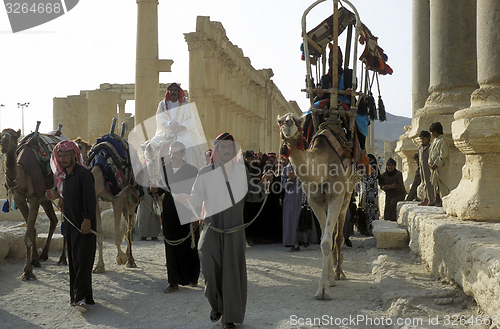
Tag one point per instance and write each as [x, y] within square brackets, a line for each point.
[328, 185]
[23, 188]
[124, 203]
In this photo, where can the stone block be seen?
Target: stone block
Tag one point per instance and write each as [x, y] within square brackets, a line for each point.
[389, 235]
[56, 244]
[4, 248]
[15, 236]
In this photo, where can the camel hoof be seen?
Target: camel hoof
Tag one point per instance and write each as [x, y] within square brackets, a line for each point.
[340, 276]
[121, 260]
[44, 256]
[62, 261]
[332, 282]
[36, 263]
[131, 264]
[28, 276]
[323, 294]
[99, 269]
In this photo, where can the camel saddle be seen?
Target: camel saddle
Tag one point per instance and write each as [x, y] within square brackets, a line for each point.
[34, 154]
[111, 154]
[337, 141]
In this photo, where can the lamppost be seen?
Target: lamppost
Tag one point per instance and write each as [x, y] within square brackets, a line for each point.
[22, 106]
[1, 105]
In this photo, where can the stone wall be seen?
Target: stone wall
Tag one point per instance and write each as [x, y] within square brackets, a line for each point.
[229, 93]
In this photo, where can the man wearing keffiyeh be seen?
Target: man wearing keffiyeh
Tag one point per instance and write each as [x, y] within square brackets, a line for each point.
[76, 185]
[176, 121]
[224, 186]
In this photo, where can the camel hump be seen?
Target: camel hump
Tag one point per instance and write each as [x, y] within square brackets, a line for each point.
[334, 141]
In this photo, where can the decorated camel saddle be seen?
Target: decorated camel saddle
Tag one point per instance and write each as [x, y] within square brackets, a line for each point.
[334, 134]
[111, 154]
[34, 152]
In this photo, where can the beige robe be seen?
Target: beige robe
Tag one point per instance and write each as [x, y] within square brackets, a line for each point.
[425, 172]
[439, 154]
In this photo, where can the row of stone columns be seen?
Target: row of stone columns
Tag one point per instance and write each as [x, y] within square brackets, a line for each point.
[455, 47]
[230, 95]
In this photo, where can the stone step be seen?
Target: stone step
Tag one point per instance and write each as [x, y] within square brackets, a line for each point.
[389, 235]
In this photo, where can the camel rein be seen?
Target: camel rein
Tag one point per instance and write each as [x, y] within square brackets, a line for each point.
[179, 241]
[216, 229]
[73, 224]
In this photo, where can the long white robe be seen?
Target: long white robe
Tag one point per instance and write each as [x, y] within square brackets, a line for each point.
[439, 154]
[190, 137]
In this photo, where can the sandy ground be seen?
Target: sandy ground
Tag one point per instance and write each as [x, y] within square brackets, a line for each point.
[281, 288]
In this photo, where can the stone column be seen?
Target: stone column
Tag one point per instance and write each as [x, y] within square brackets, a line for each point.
[101, 111]
[476, 130]
[196, 47]
[420, 54]
[146, 74]
[407, 145]
[121, 114]
[406, 149]
[452, 72]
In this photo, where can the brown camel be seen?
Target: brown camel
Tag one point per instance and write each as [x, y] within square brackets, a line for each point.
[124, 203]
[23, 188]
[328, 184]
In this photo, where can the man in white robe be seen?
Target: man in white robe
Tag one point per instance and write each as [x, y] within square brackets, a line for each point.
[176, 121]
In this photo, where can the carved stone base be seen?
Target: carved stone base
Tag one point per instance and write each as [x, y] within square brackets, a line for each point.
[476, 197]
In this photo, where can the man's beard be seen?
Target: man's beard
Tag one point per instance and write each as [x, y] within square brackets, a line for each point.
[67, 165]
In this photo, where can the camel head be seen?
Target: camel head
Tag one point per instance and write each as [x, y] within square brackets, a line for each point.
[290, 126]
[84, 147]
[9, 140]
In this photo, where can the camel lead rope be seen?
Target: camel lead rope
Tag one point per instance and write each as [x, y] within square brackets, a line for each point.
[72, 224]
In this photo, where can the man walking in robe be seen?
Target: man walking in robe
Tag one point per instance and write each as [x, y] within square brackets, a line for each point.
[224, 186]
[78, 193]
[183, 264]
[439, 162]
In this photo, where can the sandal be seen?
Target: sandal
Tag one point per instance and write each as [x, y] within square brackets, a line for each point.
[193, 284]
[229, 326]
[170, 288]
[81, 306]
[215, 316]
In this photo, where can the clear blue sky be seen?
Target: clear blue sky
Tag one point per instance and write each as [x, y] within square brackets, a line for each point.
[95, 43]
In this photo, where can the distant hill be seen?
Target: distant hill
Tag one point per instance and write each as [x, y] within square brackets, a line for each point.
[389, 130]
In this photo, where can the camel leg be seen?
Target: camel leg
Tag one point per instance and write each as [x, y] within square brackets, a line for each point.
[319, 211]
[121, 258]
[49, 210]
[32, 258]
[339, 239]
[130, 226]
[99, 267]
[325, 281]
